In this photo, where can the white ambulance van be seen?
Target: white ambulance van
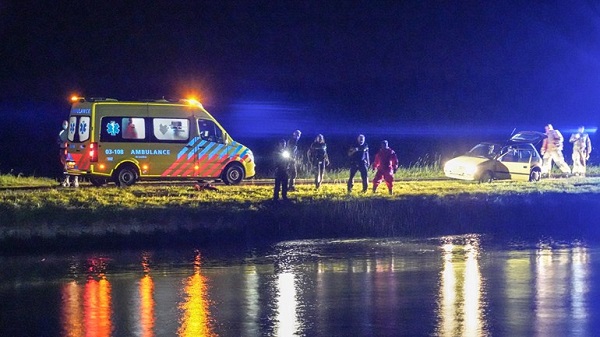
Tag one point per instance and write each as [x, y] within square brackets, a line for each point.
[166, 140]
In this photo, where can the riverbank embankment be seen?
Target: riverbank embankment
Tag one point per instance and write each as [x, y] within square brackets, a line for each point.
[171, 216]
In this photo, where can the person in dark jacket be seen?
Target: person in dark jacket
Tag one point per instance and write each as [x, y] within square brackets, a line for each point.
[386, 164]
[359, 162]
[282, 160]
[317, 154]
[292, 146]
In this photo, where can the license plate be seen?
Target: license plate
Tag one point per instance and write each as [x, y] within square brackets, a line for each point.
[70, 165]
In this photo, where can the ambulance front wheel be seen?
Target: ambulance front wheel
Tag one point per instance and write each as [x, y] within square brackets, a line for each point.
[126, 175]
[233, 174]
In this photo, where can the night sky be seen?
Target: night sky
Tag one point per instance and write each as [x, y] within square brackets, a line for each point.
[266, 68]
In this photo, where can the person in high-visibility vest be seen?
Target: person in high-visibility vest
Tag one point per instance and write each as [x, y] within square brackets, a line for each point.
[552, 151]
[582, 147]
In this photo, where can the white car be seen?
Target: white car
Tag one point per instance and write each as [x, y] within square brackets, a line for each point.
[518, 159]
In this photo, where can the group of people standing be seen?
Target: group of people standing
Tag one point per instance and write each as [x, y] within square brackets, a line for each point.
[286, 164]
[552, 151]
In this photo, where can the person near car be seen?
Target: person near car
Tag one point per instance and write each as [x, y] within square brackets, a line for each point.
[317, 154]
[552, 151]
[385, 165]
[282, 160]
[359, 162]
[582, 147]
[292, 146]
[62, 140]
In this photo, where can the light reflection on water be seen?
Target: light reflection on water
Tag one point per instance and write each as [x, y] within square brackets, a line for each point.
[460, 299]
[450, 286]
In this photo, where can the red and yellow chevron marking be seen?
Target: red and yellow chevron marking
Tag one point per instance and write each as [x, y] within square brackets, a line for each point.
[205, 163]
[82, 161]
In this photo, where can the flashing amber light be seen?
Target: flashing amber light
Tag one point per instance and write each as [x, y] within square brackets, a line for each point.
[102, 167]
[145, 167]
[193, 101]
[74, 98]
[196, 167]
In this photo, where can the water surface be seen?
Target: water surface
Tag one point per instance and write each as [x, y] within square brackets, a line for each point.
[450, 286]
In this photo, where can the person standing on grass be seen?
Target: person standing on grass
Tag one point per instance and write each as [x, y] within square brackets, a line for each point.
[317, 154]
[552, 151]
[282, 158]
[292, 145]
[359, 162]
[63, 155]
[386, 164]
[582, 147]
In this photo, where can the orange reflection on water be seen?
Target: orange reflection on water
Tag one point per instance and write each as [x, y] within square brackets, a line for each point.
[72, 311]
[195, 320]
[96, 302]
[147, 306]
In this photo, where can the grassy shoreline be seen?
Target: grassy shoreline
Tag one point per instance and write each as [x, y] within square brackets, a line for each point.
[165, 216]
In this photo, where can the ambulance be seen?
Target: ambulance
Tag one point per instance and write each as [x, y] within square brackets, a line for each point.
[141, 140]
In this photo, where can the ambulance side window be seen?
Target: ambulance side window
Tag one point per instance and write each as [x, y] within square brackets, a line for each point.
[123, 129]
[133, 128]
[111, 130]
[171, 129]
[209, 131]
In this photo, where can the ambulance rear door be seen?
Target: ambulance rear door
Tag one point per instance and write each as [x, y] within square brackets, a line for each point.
[78, 136]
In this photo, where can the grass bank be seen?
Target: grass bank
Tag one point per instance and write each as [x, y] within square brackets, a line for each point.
[166, 216]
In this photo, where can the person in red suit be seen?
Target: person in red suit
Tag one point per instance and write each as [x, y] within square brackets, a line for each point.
[386, 164]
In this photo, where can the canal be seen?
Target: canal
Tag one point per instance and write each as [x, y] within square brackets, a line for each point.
[469, 285]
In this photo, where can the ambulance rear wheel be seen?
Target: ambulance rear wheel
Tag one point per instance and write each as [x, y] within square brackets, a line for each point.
[233, 174]
[98, 181]
[126, 176]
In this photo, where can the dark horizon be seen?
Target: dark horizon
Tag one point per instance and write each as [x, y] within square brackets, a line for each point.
[390, 69]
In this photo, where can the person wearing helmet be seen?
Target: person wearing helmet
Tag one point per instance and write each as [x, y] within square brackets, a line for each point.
[386, 164]
[359, 162]
[552, 151]
[63, 155]
[292, 145]
[317, 155]
[582, 147]
[282, 159]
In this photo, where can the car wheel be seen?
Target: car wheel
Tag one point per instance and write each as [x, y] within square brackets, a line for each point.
[486, 177]
[233, 174]
[126, 176]
[98, 181]
[535, 175]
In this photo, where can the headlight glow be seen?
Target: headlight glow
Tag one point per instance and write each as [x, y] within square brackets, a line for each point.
[470, 169]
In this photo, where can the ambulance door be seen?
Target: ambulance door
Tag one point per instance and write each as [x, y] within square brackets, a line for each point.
[170, 149]
[212, 150]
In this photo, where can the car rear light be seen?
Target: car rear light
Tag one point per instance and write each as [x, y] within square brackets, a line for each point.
[93, 152]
